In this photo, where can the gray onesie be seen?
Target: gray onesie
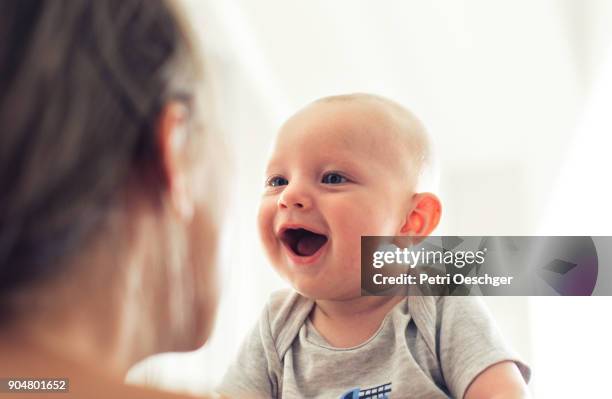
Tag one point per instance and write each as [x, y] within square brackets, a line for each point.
[426, 347]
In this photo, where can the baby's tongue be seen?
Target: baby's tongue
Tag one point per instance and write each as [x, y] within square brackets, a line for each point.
[309, 244]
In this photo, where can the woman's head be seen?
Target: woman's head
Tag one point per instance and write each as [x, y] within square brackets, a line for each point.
[100, 147]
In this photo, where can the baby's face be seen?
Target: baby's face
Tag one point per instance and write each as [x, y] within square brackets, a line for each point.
[336, 174]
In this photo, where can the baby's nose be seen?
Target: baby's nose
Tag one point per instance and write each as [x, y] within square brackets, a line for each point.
[294, 196]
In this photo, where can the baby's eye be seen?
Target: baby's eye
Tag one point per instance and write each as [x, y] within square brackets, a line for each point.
[333, 178]
[276, 181]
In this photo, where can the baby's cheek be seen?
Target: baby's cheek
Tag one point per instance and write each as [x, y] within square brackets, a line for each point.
[265, 223]
[350, 248]
[368, 224]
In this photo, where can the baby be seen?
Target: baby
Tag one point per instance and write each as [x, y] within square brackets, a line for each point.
[345, 167]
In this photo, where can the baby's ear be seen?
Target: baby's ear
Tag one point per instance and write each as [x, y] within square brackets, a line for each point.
[424, 215]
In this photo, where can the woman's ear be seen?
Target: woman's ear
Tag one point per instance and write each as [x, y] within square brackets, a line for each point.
[172, 133]
[424, 215]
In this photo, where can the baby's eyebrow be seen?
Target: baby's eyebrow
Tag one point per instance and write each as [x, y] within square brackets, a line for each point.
[272, 165]
[338, 163]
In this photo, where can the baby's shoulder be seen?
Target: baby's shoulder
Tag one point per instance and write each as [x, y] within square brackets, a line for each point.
[285, 303]
[286, 311]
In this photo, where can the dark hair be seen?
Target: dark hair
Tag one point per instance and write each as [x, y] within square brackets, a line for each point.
[81, 84]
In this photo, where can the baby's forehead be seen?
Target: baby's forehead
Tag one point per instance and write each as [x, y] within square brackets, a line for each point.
[357, 123]
[362, 127]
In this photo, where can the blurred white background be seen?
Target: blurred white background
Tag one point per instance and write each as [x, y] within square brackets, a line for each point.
[516, 96]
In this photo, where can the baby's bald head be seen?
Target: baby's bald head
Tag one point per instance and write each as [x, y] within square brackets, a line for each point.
[398, 128]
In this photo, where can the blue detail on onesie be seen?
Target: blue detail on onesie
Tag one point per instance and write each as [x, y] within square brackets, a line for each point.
[378, 392]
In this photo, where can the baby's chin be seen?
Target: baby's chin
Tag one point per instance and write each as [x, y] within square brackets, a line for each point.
[324, 285]
[325, 291]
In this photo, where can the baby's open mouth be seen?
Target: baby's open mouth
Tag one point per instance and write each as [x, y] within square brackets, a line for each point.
[303, 242]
